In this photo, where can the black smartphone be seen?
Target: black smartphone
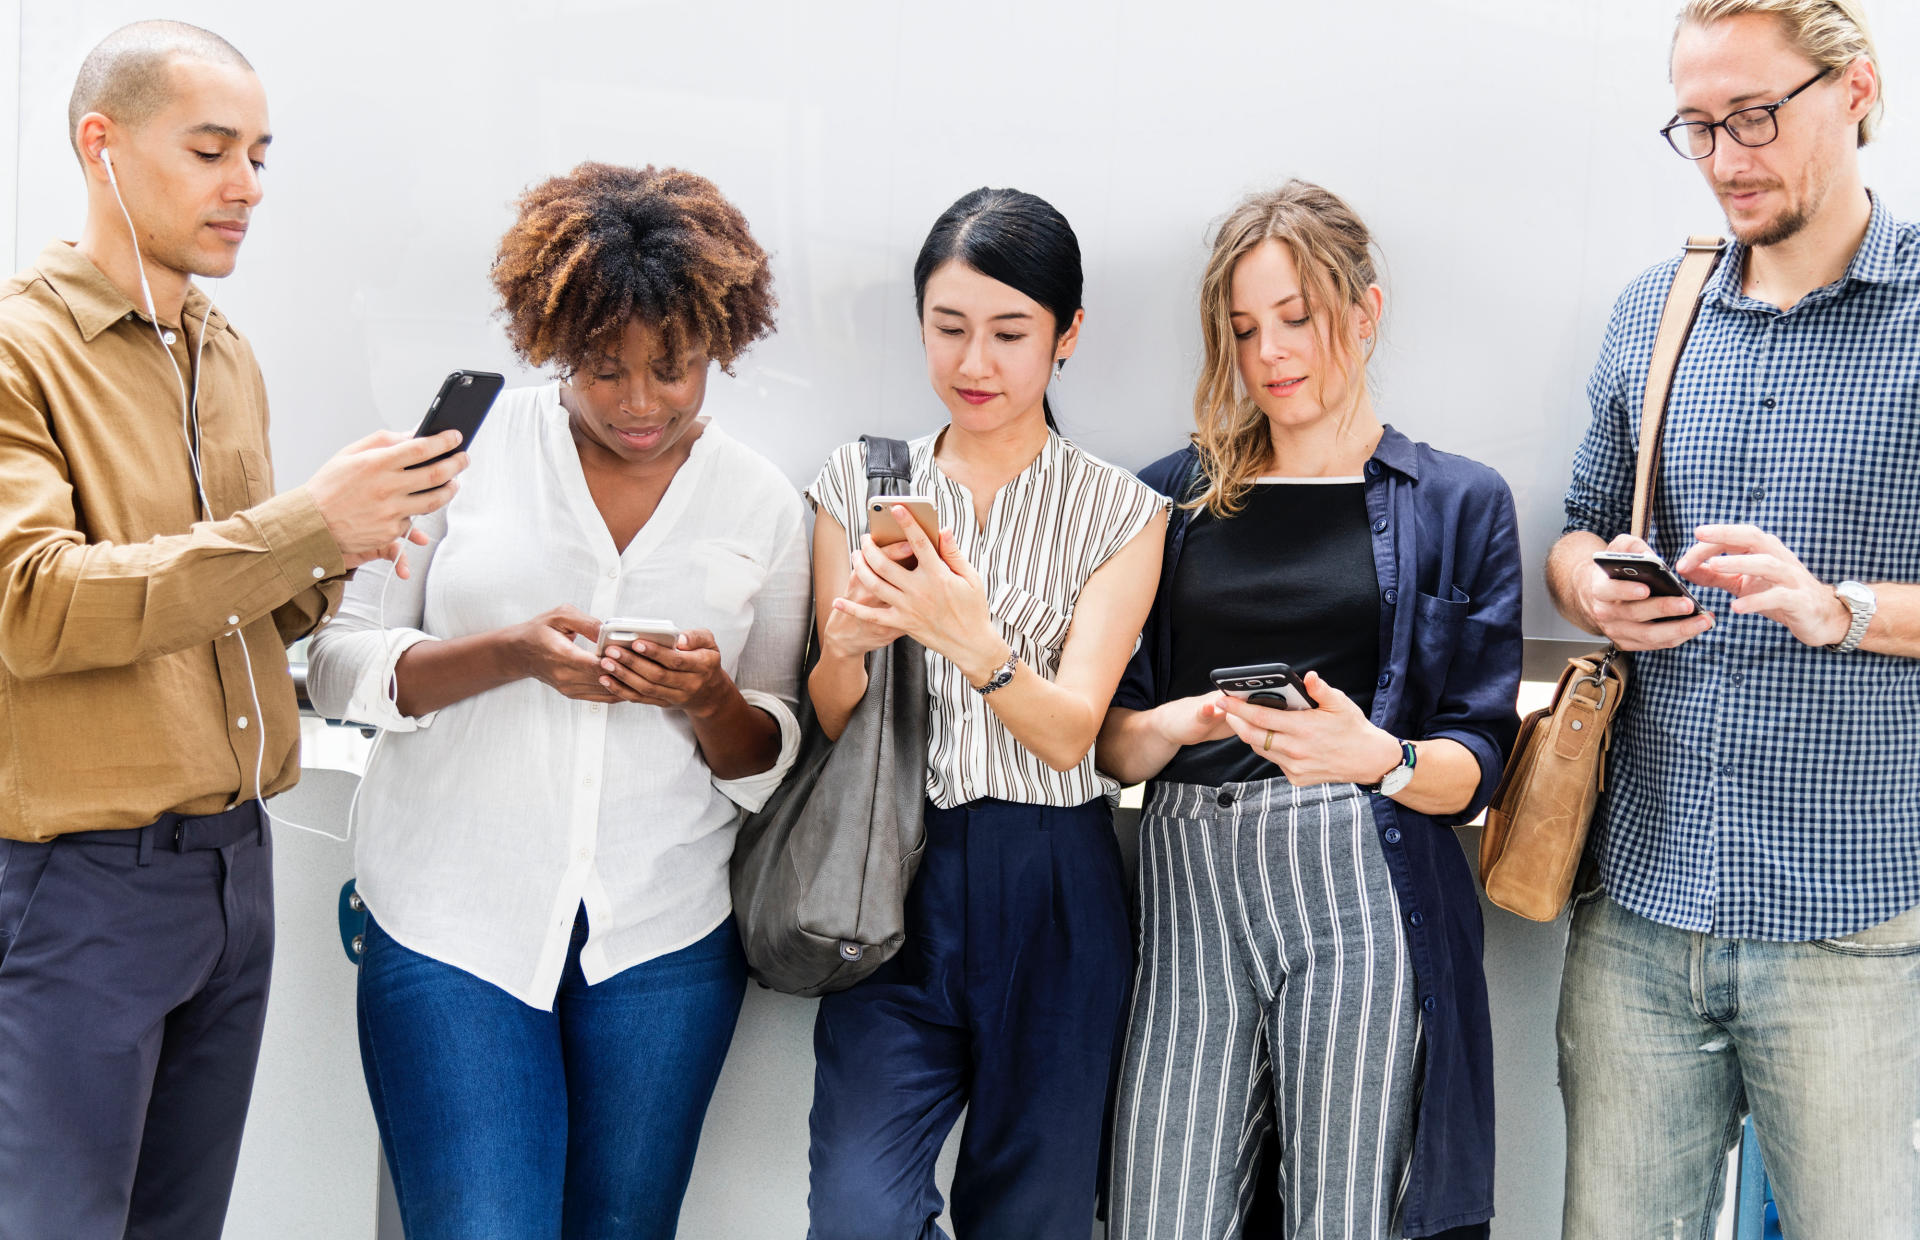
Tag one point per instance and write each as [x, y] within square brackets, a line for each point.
[461, 404]
[1649, 570]
[1264, 684]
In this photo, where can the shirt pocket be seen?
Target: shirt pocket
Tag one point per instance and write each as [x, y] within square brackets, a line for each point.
[1034, 627]
[256, 478]
[1439, 629]
[733, 576]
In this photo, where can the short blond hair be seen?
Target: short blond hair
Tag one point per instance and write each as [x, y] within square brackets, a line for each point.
[1831, 33]
[1333, 252]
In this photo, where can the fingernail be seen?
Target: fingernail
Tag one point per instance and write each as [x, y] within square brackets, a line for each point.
[608, 664]
[606, 683]
[640, 646]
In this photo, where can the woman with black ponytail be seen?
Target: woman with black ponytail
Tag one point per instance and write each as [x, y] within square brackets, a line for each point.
[1008, 996]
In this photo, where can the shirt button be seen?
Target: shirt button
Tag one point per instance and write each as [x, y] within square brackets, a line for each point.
[1383, 680]
[1380, 526]
[593, 708]
[167, 336]
[586, 854]
[1429, 1003]
[1769, 402]
[1737, 679]
[233, 619]
[1391, 597]
[1756, 495]
[324, 618]
[1393, 835]
[613, 574]
[1415, 919]
[241, 723]
[1727, 769]
[1373, 469]
[1224, 800]
[318, 572]
[588, 781]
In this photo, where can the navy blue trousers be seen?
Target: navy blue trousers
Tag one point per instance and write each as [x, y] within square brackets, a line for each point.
[133, 988]
[1008, 999]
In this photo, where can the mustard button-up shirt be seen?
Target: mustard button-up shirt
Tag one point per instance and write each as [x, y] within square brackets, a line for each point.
[124, 692]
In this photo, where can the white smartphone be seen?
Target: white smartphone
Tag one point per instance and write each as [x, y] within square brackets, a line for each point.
[626, 630]
[885, 529]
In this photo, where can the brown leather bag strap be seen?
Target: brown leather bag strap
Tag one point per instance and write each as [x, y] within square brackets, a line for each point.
[1676, 324]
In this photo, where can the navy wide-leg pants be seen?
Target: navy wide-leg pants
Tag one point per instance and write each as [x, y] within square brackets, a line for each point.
[1008, 999]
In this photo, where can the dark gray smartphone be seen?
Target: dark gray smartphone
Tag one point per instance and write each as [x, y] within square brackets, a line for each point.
[1264, 684]
[1649, 570]
[461, 404]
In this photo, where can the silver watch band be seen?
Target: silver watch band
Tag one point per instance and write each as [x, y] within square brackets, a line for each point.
[1000, 677]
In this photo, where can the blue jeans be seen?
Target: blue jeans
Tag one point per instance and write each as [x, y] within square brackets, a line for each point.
[504, 1122]
[1667, 1037]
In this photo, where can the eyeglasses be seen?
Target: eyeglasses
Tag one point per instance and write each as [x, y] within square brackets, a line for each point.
[1754, 126]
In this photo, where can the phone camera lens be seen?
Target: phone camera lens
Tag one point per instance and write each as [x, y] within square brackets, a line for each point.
[1629, 572]
[466, 380]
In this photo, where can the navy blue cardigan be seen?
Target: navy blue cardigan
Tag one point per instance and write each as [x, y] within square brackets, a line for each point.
[1446, 550]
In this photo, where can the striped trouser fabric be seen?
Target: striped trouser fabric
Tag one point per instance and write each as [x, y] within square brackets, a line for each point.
[1274, 990]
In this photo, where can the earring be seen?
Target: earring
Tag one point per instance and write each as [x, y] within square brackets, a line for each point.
[1059, 367]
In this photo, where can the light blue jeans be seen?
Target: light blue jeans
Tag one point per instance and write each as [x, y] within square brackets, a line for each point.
[1668, 1037]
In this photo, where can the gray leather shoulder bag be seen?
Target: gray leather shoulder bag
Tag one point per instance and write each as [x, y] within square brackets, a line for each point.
[820, 873]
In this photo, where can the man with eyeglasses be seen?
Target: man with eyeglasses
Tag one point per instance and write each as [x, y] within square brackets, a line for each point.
[1750, 937]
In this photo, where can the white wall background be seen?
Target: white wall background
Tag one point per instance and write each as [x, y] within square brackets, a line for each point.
[1503, 150]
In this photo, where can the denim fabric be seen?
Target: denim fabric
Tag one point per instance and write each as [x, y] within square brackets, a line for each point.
[504, 1122]
[1667, 1037]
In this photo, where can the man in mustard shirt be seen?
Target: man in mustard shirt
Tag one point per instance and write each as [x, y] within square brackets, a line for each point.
[150, 578]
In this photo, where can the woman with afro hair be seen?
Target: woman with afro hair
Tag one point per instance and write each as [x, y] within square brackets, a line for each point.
[551, 973]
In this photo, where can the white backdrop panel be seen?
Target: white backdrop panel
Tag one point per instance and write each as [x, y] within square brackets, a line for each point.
[1504, 150]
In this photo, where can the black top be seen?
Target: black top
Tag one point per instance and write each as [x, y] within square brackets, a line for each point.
[1289, 579]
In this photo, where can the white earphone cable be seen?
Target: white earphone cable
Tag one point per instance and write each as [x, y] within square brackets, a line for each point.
[190, 432]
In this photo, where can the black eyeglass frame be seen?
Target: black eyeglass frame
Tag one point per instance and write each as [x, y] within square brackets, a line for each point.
[1713, 140]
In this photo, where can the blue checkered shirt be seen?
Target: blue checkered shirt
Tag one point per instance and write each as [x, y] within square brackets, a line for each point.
[1759, 788]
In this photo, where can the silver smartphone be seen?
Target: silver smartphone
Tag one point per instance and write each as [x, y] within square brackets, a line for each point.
[626, 630]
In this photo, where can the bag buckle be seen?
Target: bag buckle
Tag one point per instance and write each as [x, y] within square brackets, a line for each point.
[851, 951]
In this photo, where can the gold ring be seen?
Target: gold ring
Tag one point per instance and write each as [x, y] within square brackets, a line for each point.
[1267, 745]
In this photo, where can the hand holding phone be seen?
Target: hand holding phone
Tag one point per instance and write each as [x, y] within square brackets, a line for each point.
[461, 404]
[886, 530]
[1264, 684]
[1648, 569]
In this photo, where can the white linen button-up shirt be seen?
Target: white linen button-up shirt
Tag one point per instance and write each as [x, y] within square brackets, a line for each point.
[483, 827]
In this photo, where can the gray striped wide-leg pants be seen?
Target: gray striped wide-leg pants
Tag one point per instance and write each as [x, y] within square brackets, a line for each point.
[1274, 989]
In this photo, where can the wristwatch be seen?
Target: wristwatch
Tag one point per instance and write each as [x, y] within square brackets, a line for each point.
[1861, 602]
[1000, 677]
[1400, 776]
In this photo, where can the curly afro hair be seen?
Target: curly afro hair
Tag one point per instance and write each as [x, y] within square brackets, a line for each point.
[603, 245]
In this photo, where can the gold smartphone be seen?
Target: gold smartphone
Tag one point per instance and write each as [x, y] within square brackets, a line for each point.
[886, 530]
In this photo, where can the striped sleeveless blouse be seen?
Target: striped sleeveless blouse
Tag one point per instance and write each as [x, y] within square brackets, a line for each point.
[1050, 527]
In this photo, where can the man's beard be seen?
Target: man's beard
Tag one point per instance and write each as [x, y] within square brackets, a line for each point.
[1788, 223]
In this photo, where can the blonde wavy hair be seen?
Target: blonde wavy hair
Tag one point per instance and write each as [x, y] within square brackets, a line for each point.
[1831, 33]
[1333, 252]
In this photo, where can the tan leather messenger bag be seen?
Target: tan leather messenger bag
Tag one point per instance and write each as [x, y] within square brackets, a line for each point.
[1537, 824]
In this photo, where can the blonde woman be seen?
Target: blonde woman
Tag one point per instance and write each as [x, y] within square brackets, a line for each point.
[1310, 942]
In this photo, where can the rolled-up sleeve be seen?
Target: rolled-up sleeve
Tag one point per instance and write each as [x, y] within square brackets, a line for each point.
[351, 661]
[1599, 497]
[1477, 704]
[768, 672]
